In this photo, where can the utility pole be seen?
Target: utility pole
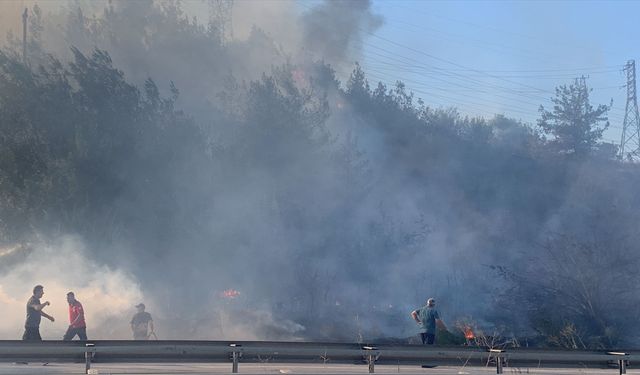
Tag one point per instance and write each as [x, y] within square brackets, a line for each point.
[630, 142]
[24, 36]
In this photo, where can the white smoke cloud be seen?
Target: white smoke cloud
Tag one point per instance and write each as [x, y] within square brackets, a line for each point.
[108, 295]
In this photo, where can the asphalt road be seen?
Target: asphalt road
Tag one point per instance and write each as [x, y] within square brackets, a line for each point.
[259, 368]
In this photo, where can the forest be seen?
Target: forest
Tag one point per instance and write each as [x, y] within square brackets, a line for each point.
[332, 203]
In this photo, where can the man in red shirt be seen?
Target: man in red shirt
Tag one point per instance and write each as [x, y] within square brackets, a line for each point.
[77, 325]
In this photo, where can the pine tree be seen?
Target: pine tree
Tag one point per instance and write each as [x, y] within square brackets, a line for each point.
[575, 125]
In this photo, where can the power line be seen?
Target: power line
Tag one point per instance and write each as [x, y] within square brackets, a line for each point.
[465, 40]
[477, 106]
[441, 70]
[480, 107]
[453, 63]
[453, 73]
[465, 78]
[418, 68]
[482, 73]
[466, 87]
[398, 58]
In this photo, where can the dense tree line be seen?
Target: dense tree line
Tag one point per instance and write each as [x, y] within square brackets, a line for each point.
[337, 205]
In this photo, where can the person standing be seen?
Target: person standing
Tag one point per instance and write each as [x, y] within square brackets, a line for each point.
[35, 314]
[428, 318]
[141, 324]
[77, 324]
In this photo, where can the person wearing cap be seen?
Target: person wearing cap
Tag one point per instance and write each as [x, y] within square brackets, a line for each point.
[427, 318]
[141, 324]
[77, 324]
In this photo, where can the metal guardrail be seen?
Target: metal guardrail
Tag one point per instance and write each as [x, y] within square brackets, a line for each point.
[104, 351]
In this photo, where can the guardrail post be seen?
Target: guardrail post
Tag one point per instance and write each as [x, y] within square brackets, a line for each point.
[371, 357]
[622, 362]
[87, 358]
[498, 356]
[235, 356]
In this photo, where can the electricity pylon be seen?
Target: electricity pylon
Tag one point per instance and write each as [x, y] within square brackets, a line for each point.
[630, 143]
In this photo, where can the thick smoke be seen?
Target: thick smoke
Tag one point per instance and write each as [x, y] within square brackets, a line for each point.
[334, 30]
[247, 191]
[223, 250]
[65, 265]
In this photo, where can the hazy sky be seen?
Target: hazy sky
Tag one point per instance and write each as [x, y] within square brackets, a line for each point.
[505, 56]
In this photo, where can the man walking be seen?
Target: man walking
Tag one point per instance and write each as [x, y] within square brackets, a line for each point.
[77, 324]
[35, 314]
[427, 318]
[142, 324]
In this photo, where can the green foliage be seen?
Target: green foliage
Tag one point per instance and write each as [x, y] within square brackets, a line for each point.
[574, 124]
[363, 193]
[579, 284]
[68, 136]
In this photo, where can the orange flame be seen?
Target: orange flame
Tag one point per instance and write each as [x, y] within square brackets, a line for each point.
[468, 333]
